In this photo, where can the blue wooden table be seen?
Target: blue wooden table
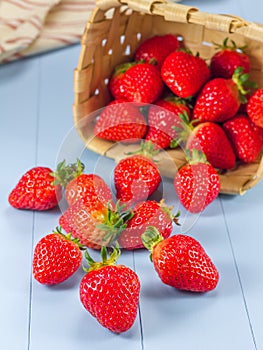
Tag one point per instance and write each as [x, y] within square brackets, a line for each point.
[36, 96]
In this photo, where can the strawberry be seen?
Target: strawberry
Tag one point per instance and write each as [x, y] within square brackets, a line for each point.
[36, 190]
[56, 258]
[255, 107]
[207, 137]
[137, 176]
[196, 183]
[162, 117]
[79, 186]
[110, 292]
[212, 140]
[93, 222]
[120, 121]
[115, 85]
[184, 73]
[181, 262]
[220, 98]
[136, 82]
[86, 185]
[245, 137]
[227, 59]
[82, 220]
[147, 213]
[156, 49]
[90, 204]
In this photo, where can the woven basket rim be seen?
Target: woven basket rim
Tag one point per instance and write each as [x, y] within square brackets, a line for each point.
[174, 11]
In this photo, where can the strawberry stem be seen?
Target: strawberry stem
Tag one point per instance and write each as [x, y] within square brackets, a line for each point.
[184, 130]
[115, 223]
[147, 149]
[227, 46]
[150, 238]
[168, 211]
[105, 260]
[65, 173]
[195, 156]
[243, 83]
[69, 237]
[123, 67]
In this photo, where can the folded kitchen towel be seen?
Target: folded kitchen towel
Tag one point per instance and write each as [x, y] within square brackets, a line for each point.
[28, 27]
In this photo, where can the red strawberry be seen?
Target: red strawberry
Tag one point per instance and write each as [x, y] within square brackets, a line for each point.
[184, 73]
[36, 190]
[79, 186]
[220, 98]
[120, 121]
[110, 292]
[156, 49]
[245, 137]
[93, 222]
[136, 82]
[255, 107]
[86, 185]
[82, 221]
[137, 176]
[207, 137]
[163, 116]
[224, 62]
[181, 262]
[147, 213]
[196, 183]
[91, 204]
[56, 258]
[210, 138]
[116, 84]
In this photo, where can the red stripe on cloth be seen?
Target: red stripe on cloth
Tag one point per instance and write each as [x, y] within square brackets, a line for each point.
[36, 22]
[2, 50]
[62, 39]
[26, 39]
[13, 23]
[20, 4]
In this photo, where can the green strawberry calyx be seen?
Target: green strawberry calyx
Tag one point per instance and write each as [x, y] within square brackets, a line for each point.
[195, 156]
[67, 172]
[69, 237]
[226, 46]
[243, 83]
[183, 131]
[115, 222]
[150, 238]
[105, 259]
[178, 100]
[123, 67]
[146, 149]
[169, 212]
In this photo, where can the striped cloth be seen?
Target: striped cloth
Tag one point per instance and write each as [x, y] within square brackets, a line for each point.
[28, 27]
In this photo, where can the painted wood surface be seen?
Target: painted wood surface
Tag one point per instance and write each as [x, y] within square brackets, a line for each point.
[36, 96]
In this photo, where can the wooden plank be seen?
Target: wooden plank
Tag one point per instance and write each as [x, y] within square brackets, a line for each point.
[214, 320]
[18, 99]
[243, 220]
[58, 318]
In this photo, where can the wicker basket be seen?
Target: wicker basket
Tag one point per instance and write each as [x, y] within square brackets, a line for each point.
[113, 32]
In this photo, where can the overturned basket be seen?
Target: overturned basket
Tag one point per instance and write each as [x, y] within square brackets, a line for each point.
[112, 34]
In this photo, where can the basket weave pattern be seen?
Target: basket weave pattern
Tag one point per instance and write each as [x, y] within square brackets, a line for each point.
[114, 31]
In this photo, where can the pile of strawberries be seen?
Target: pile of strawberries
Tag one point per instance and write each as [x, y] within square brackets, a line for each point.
[192, 103]
[94, 219]
[177, 100]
